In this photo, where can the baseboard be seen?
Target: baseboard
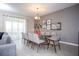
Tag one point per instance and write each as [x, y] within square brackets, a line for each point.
[68, 43]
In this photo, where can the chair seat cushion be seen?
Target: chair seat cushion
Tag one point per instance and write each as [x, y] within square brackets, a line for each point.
[53, 38]
[39, 42]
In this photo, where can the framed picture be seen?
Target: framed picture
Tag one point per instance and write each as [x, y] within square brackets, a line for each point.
[56, 26]
[48, 27]
[48, 21]
[44, 24]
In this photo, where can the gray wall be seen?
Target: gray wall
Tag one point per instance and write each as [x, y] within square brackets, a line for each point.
[69, 18]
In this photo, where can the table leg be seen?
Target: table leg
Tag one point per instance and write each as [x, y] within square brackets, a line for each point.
[38, 47]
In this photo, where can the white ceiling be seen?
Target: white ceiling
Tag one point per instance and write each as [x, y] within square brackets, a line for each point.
[29, 9]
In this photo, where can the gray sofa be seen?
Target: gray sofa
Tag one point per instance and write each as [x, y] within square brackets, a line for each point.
[7, 46]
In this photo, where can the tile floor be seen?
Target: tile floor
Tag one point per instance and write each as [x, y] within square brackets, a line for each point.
[66, 50]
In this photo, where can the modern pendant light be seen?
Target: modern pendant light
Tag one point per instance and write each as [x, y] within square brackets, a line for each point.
[37, 17]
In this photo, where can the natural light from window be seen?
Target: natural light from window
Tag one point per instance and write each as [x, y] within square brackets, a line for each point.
[15, 26]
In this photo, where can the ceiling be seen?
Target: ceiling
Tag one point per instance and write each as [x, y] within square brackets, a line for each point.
[29, 9]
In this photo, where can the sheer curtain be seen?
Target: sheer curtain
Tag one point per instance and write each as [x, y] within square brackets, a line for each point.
[15, 26]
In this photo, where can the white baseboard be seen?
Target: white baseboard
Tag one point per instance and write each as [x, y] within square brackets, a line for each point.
[68, 43]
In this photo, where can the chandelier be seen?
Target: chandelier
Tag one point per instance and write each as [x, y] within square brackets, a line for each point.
[37, 15]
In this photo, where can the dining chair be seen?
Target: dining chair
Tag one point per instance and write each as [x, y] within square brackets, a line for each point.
[54, 41]
[25, 37]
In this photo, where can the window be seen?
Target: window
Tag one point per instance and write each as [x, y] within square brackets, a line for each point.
[8, 26]
[15, 26]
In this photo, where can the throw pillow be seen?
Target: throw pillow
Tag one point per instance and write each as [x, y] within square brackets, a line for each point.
[1, 34]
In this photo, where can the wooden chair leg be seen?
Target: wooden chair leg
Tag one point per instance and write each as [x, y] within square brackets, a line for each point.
[32, 46]
[24, 41]
[54, 46]
[48, 46]
[27, 43]
[59, 45]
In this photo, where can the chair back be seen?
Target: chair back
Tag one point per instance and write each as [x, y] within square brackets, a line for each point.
[25, 36]
[54, 36]
[33, 37]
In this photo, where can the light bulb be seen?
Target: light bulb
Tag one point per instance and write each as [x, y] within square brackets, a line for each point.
[37, 17]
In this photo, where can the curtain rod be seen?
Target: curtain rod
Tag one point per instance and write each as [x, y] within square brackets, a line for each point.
[14, 16]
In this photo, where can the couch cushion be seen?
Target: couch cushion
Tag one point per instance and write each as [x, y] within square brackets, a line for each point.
[1, 34]
[4, 39]
[9, 39]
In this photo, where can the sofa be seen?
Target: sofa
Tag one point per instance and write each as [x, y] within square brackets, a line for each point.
[7, 46]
